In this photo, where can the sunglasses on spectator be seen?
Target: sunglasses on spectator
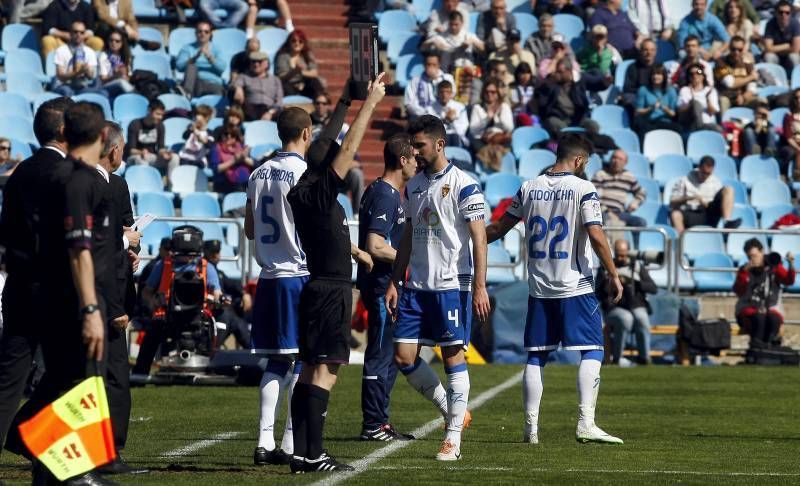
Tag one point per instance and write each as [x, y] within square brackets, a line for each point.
[5, 147]
[203, 31]
[785, 12]
[113, 39]
[737, 49]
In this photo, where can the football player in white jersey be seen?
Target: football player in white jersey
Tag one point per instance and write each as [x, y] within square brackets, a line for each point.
[270, 223]
[444, 210]
[563, 224]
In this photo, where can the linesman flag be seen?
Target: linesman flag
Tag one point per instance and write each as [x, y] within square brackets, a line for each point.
[73, 434]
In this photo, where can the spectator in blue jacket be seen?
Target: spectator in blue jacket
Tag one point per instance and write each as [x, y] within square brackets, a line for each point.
[202, 63]
[707, 27]
[656, 104]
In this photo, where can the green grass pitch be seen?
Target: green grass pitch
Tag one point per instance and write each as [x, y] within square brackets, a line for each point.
[710, 425]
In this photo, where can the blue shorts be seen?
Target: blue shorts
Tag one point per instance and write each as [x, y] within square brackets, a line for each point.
[427, 317]
[274, 329]
[574, 322]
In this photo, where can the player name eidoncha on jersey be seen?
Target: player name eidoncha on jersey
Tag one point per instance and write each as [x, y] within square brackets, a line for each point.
[556, 195]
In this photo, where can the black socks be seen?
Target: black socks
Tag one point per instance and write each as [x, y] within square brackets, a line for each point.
[317, 409]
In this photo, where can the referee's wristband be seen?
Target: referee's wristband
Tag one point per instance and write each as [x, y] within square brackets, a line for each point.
[89, 309]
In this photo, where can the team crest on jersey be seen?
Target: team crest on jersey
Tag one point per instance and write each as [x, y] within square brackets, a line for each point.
[445, 190]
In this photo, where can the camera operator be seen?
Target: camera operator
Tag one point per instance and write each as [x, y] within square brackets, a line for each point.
[632, 312]
[235, 304]
[758, 285]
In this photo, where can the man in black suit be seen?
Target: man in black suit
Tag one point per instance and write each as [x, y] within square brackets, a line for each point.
[20, 233]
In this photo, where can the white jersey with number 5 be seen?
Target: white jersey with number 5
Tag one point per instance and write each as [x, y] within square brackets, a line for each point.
[277, 246]
[556, 209]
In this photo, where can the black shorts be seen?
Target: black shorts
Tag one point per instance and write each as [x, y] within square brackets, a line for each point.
[709, 216]
[326, 307]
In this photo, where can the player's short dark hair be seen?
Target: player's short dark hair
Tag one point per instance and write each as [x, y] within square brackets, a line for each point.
[432, 126]
[571, 145]
[156, 104]
[291, 123]
[707, 160]
[49, 120]
[113, 136]
[753, 243]
[398, 145]
[83, 124]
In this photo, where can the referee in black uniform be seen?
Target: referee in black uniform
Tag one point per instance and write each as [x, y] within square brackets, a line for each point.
[326, 301]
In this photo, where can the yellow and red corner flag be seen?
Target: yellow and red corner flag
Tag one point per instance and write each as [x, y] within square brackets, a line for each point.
[73, 434]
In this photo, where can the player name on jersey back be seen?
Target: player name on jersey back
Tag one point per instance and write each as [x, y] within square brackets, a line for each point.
[277, 247]
[556, 209]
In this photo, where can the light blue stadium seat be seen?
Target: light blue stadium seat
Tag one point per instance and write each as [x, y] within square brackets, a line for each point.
[652, 241]
[534, 161]
[667, 167]
[666, 192]
[625, 138]
[742, 113]
[570, 26]
[234, 200]
[776, 116]
[99, 100]
[143, 178]
[272, 38]
[527, 24]
[785, 243]
[231, 269]
[154, 62]
[508, 163]
[653, 212]
[186, 179]
[472, 23]
[153, 35]
[17, 127]
[155, 203]
[776, 70]
[15, 105]
[651, 189]
[459, 154]
[661, 142]
[229, 40]
[408, 66]
[130, 105]
[756, 167]
[697, 244]
[50, 64]
[173, 130]
[17, 36]
[593, 166]
[218, 102]
[178, 38]
[500, 186]
[347, 205]
[736, 243]
[172, 101]
[263, 149]
[714, 281]
[767, 91]
[20, 148]
[619, 72]
[769, 192]
[422, 8]
[638, 165]
[25, 60]
[772, 213]
[518, 6]
[704, 142]
[200, 205]
[394, 21]
[297, 100]
[216, 122]
[739, 191]
[146, 9]
[746, 213]
[153, 234]
[498, 254]
[211, 231]
[725, 166]
[261, 132]
[795, 77]
[402, 42]
[610, 117]
[522, 138]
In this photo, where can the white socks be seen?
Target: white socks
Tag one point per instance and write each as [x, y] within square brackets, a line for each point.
[270, 388]
[457, 398]
[532, 389]
[588, 386]
[423, 379]
[287, 444]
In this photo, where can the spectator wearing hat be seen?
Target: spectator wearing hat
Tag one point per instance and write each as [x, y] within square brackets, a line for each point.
[540, 42]
[421, 90]
[58, 19]
[699, 198]
[622, 34]
[595, 60]
[259, 92]
[494, 25]
[707, 27]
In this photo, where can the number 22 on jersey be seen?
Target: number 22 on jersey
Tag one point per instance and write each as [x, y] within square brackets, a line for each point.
[539, 227]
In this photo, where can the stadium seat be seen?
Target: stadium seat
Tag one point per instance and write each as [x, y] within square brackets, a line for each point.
[175, 101]
[651, 188]
[739, 191]
[155, 232]
[746, 213]
[261, 132]
[704, 142]
[771, 214]
[625, 138]
[713, 281]
[400, 43]
[570, 26]
[20, 149]
[211, 231]
[653, 212]
[99, 100]
[50, 65]
[263, 149]
[173, 130]
[143, 178]
[593, 166]
[742, 113]
[272, 38]
[776, 116]
[767, 91]
[146, 9]
[394, 21]
[619, 72]
[347, 205]
[661, 142]
[200, 205]
[233, 200]
[153, 35]
[17, 36]
[522, 139]
[498, 255]
[130, 105]
[15, 105]
[186, 179]
[610, 117]
[776, 70]
[527, 24]
[667, 167]
[155, 63]
[534, 161]
[756, 167]
[155, 203]
[180, 37]
[638, 165]
[653, 241]
[795, 81]
[518, 6]
[725, 166]
[785, 243]
[218, 102]
[769, 192]
[408, 66]
[27, 61]
[666, 191]
[459, 154]
[736, 243]
[700, 243]
[229, 40]
[297, 100]
[665, 51]
[500, 186]
[215, 122]
[19, 128]
[472, 24]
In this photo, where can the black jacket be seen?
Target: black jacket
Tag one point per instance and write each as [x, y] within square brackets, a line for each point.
[549, 106]
[58, 16]
[124, 294]
[634, 290]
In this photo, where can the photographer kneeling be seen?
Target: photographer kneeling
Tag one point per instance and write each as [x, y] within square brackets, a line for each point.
[758, 285]
[632, 312]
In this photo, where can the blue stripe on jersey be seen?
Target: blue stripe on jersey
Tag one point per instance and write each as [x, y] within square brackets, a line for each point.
[590, 223]
[443, 172]
[591, 195]
[558, 174]
[288, 154]
[469, 191]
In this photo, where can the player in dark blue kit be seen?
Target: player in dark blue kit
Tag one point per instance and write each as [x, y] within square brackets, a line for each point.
[381, 222]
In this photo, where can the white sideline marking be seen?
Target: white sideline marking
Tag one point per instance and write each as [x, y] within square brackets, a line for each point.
[448, 468]
[361, 465]
[200, 444]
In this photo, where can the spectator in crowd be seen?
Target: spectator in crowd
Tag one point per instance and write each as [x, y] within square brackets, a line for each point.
[452, 113]
[595, 59]
[145, 143]
[234, 117]
[421, 90]
[782, 38]
[691, 46]
[540, 42]
[202, 63]
[719, 8]
[699, 198]
[622, 34]
[116, 15]
[114, 64]
[514, 54]
[234, 305]
[522, 91]
[652, 18]
[790, 141]
[737, 23]
[656, 104]
[759, 310]
[490, 125]
[76, 65]
[494, 69]
[456, 46]
[479, 6]
[614, 184]
[631, 313]
[698, 103]
[240, 62]
[297, 67]
[759, 135]
[284, 13]
[231, 162]
[707, 27]
[765, 8]
[57, 22]
[439, 21]
[736, 79]
[560, 50]
[198, 140]
[236, 11]
[259, 92]
[7, 163]
[562, 101]
[494, 25]
[639, 73]
[555, 7]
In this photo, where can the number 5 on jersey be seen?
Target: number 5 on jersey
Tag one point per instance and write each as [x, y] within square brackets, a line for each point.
[269, 220]
[539, 227]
